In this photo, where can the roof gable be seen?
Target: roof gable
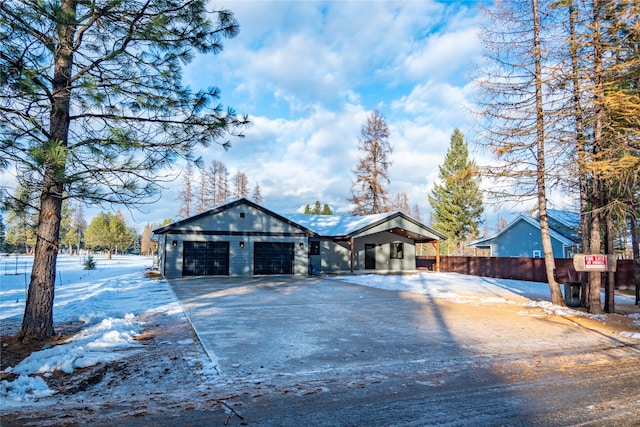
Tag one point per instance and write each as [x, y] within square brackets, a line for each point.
[223, 208]
[334, 226]
[535, 223]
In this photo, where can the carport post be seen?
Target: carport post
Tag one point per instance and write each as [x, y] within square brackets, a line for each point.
[436, 246]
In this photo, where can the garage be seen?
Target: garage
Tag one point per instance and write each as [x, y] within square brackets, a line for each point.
[273, 258]
[206, 259]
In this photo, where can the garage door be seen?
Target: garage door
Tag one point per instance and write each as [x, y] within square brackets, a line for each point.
[272, 258]
[206, 259]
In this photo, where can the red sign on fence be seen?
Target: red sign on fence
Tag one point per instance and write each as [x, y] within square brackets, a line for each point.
[595, 262]
[584, 262]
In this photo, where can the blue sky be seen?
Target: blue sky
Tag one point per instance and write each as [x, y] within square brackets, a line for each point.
[308, 73]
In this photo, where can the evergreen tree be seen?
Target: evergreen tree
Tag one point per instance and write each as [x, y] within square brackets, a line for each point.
[2, 235]
[318, 209]
[66, 238]
[240, 185]
[185, 196]
[401, 203]
[109, 232]
[415, 213]
[257, 195]
[147, 246]
[457, 201]
[368, 189]
[92, 106]
[21, 219]
[72, 226]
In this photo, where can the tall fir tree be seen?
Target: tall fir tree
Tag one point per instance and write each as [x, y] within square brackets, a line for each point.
[368, 190]
[240, 185]
[257, 195]
[147, 246]
[186, 196]
[457, 200]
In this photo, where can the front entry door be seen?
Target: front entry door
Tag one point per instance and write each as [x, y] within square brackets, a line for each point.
[369, 257]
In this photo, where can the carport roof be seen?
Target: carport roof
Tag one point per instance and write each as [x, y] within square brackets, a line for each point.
[347, 226]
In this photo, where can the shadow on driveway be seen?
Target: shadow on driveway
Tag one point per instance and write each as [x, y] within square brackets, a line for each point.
[317, 351]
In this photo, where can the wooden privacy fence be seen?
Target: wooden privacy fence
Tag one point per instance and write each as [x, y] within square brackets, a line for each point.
[531, 269]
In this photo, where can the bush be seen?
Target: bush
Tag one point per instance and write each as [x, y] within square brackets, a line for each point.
[89, 263]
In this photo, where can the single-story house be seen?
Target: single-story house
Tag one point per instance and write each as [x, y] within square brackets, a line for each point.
[522, 237]
[243, 238]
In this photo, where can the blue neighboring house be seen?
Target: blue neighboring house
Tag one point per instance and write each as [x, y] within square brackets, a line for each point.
[521, 237]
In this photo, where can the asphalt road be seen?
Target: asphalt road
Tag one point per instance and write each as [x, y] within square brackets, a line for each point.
[323, 352]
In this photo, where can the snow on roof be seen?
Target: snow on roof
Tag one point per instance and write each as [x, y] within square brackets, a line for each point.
[335, 225]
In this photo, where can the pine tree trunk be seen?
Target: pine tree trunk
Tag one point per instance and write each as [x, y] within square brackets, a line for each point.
[37, 323]
[595, 278]
[580, 146]
[635, 248]
[549, 260]
[609, 290]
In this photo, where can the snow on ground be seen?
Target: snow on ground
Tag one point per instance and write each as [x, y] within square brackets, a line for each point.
[471, 289]
[107, 300]
[111, 300]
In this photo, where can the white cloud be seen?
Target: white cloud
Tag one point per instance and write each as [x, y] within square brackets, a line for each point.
[308, 73]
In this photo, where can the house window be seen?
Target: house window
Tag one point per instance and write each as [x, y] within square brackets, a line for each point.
[537, 254]
[397, 251]
[241, 214]
[314, 248]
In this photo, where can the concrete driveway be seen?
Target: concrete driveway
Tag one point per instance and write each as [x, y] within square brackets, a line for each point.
[288, 325]
[317, 351]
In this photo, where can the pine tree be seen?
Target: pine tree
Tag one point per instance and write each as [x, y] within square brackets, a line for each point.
[21, 219]
[318, 209]
[185, 196]
[147, 246]
[400, 203]
[457, 201]
[2, 235]
[368, 189]
[257, 195]
[240, 185]
[415, 213]
[92, 107]
[110, 232]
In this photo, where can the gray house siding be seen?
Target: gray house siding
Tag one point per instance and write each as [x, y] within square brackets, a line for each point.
[240, 226]
[225, 240]
[335, 256]
[384, 262]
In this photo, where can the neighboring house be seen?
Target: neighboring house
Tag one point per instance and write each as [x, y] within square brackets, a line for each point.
[522, 238]
[243, 238]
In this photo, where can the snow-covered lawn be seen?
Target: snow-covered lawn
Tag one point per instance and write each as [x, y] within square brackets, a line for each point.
[107, 300]
[111, 301]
